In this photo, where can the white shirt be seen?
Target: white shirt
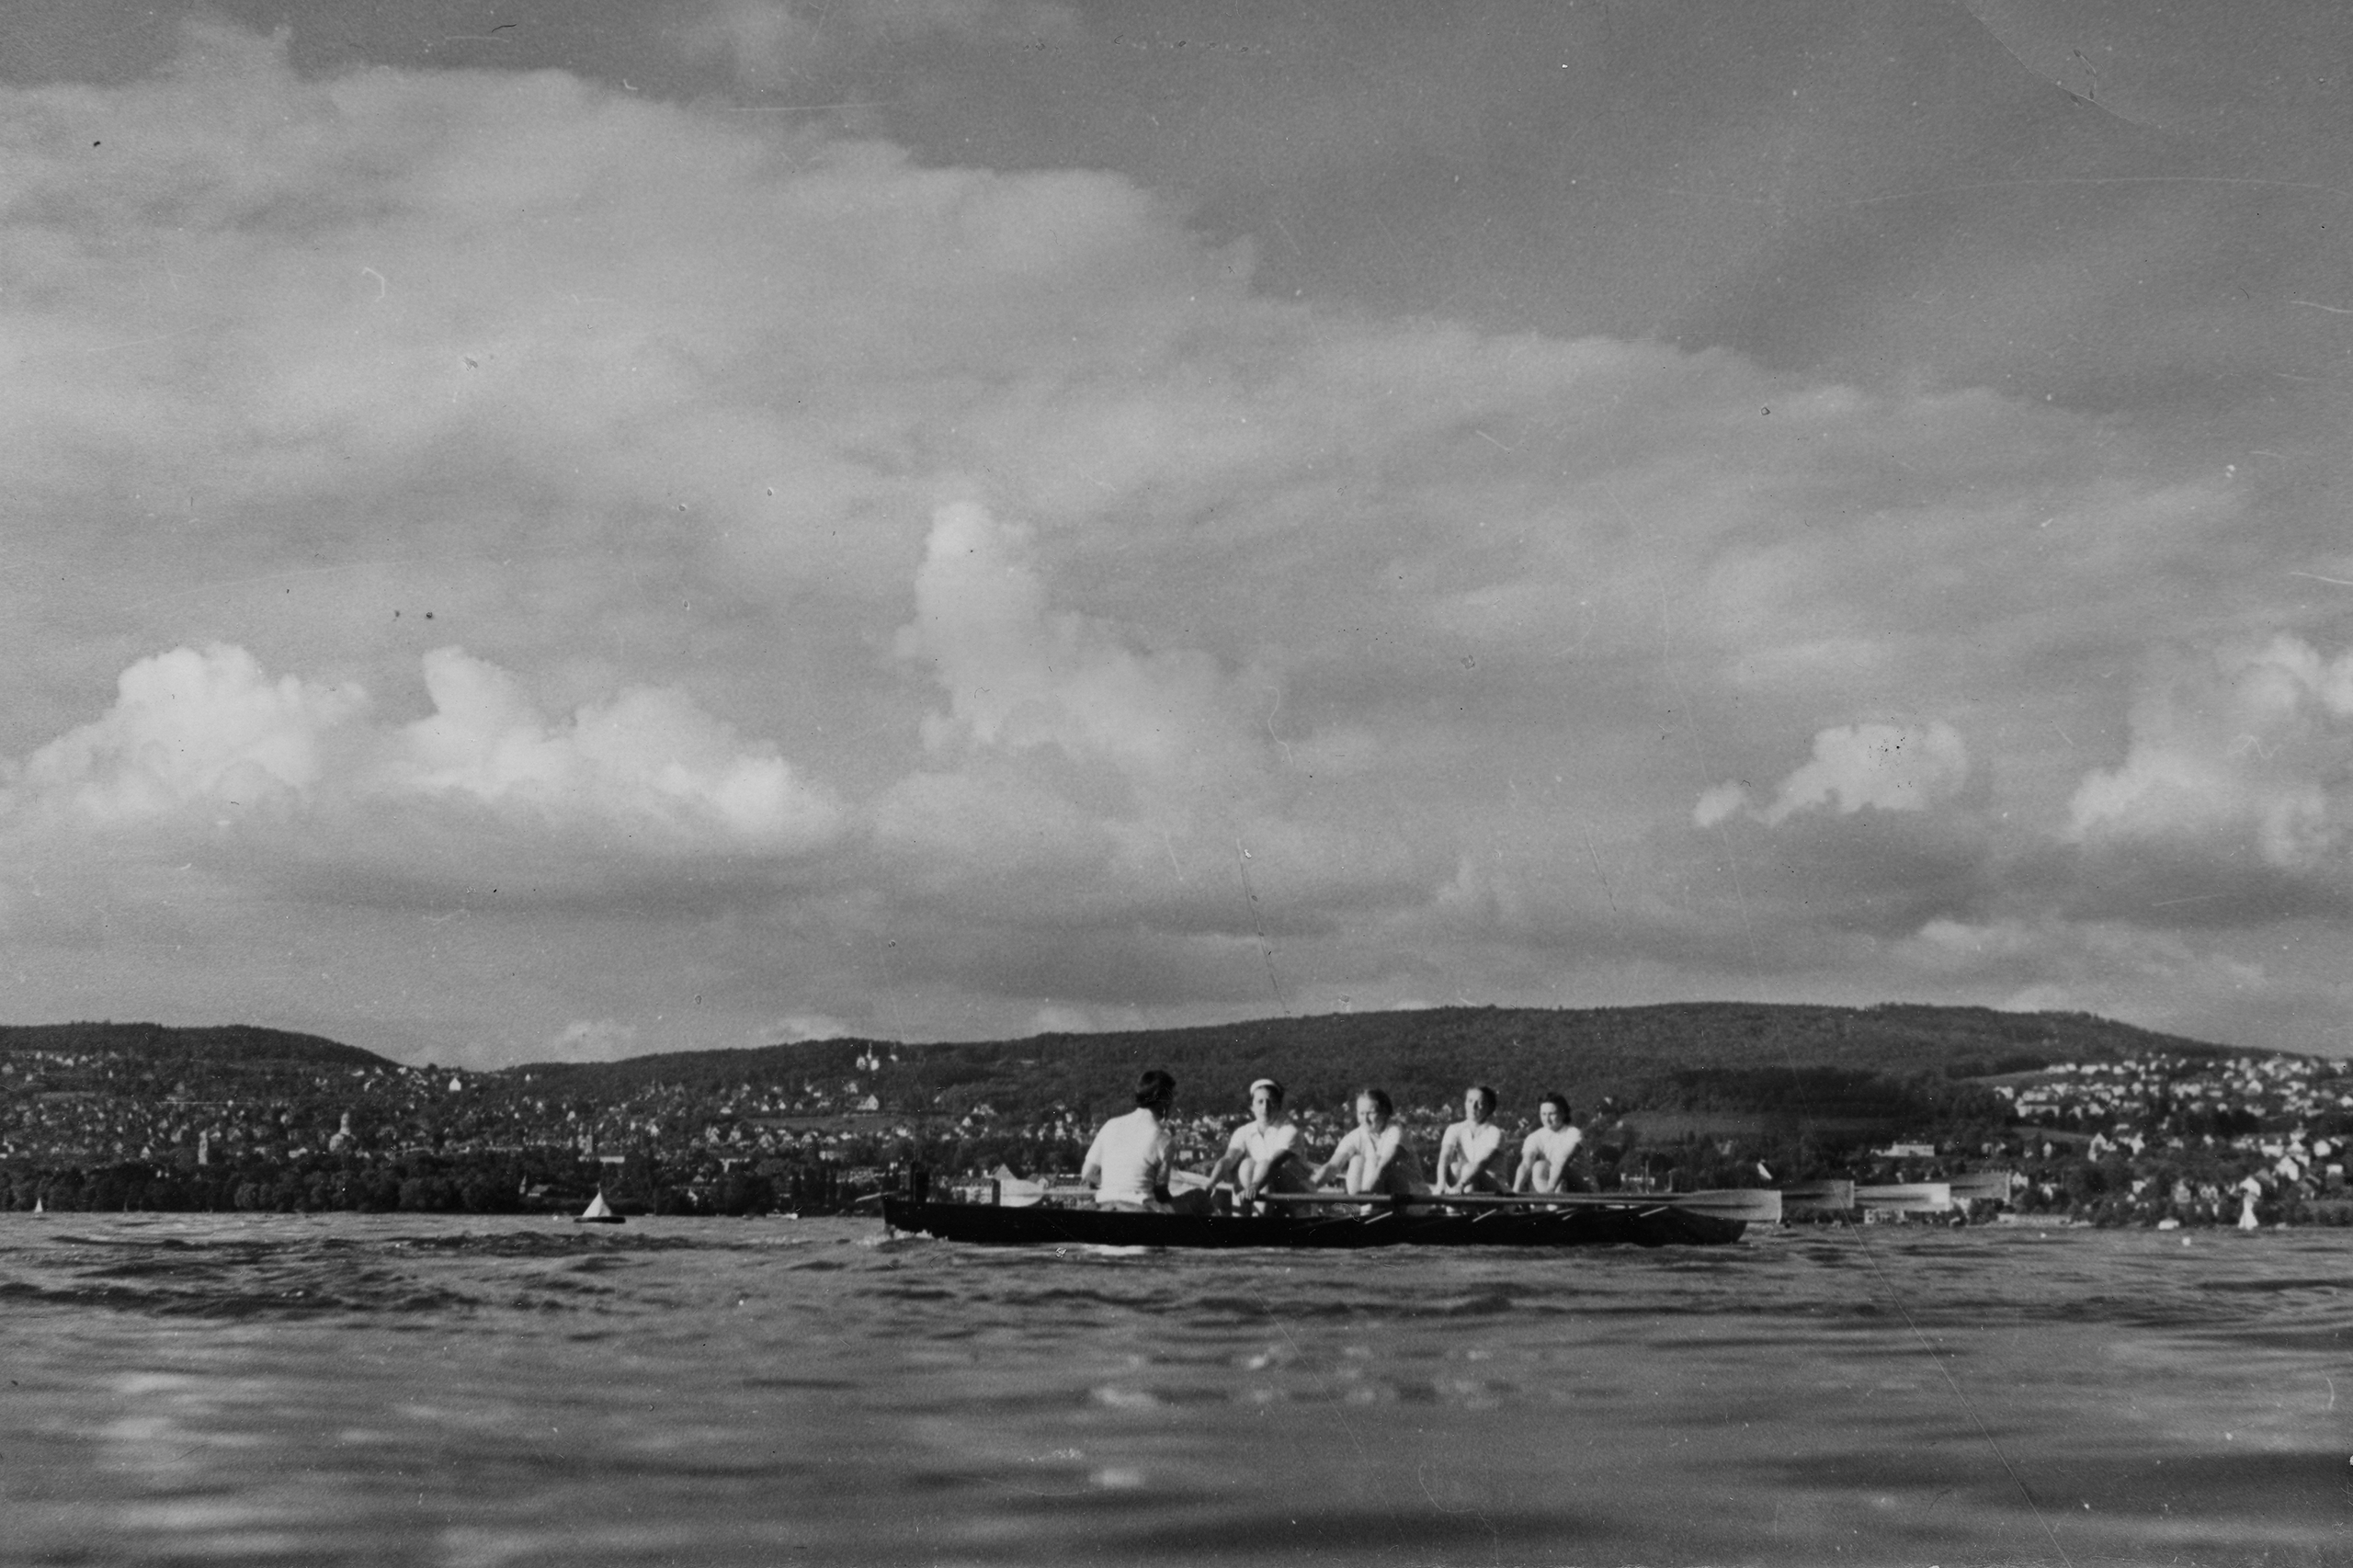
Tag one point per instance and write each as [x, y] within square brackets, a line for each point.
[1259, 1149]
[1404, 1167]
[1132, 1154]
[1465, 1144]
[1553, 1146]
[1264, 1144]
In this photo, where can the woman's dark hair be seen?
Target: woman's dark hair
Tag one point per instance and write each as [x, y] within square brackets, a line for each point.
[1487, 1093]
[1381, 1101]
[1155, 1089]
[1554, 1096]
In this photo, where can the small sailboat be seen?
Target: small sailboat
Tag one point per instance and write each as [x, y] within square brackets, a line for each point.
[598, 1212]
[1013, 1191]
[37, 1209]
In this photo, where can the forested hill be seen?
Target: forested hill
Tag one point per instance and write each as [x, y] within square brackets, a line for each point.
[226, 1046]
[1685, 1053]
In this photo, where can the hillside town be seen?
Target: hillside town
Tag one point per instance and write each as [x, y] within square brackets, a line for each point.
[2145, 1139]
[2151, 1138]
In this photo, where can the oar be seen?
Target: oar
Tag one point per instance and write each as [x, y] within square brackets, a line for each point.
[1907, 1198]
[1836, 1193]
[1757, 1205]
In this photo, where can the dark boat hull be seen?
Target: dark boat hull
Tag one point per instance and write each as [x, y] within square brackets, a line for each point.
[1633, 1224]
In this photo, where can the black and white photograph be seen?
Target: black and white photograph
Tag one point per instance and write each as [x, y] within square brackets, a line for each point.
[971, 783]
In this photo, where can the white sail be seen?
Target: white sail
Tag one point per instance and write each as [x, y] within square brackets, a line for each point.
[1013, 1191]
[596, 1209]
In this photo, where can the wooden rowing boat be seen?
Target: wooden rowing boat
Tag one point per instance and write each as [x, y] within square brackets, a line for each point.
[1336, 1221]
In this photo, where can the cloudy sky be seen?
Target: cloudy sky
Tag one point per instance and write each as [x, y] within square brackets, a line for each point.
[568, 528]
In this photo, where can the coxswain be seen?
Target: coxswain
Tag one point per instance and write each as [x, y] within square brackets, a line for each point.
[1545, 1156]
[1128, 1162]
[1374, 1157]
[1468, 1153]
[1263, 1156]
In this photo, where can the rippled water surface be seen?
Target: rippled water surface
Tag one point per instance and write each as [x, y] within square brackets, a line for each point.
[347, 1389]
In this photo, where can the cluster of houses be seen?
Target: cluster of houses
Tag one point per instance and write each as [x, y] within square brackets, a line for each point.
[105, 1106]
[2165, 1138]
[2228, 1091]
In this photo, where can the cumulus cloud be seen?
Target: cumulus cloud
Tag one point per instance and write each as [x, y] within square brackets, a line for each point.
[739, 372]
[1018, 674]
[1076, 774]
[1062, 746]
[187, 728]
[649, 757]
[210, 731]
[1721, 803]
[1245, 616]
[2246, 755]
[1890, 767]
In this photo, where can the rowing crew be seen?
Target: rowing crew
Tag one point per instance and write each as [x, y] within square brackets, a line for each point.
[1133, 1158]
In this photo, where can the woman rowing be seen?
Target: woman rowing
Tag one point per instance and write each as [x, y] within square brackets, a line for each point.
[1374, 1157]
[1468, 1153]
[1263, 1156]
[1544, 1156]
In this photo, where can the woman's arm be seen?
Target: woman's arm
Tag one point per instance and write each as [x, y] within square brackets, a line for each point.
[1284, 1142]
[1473, 1170]
[1383, 1154]
[1451, 1149]
[1230, 1161]
[1322, 1173]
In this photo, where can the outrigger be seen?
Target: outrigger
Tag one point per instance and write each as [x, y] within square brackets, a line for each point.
[1337, 1219]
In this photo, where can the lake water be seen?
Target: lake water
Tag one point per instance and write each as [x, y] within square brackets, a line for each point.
[490, 1391]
